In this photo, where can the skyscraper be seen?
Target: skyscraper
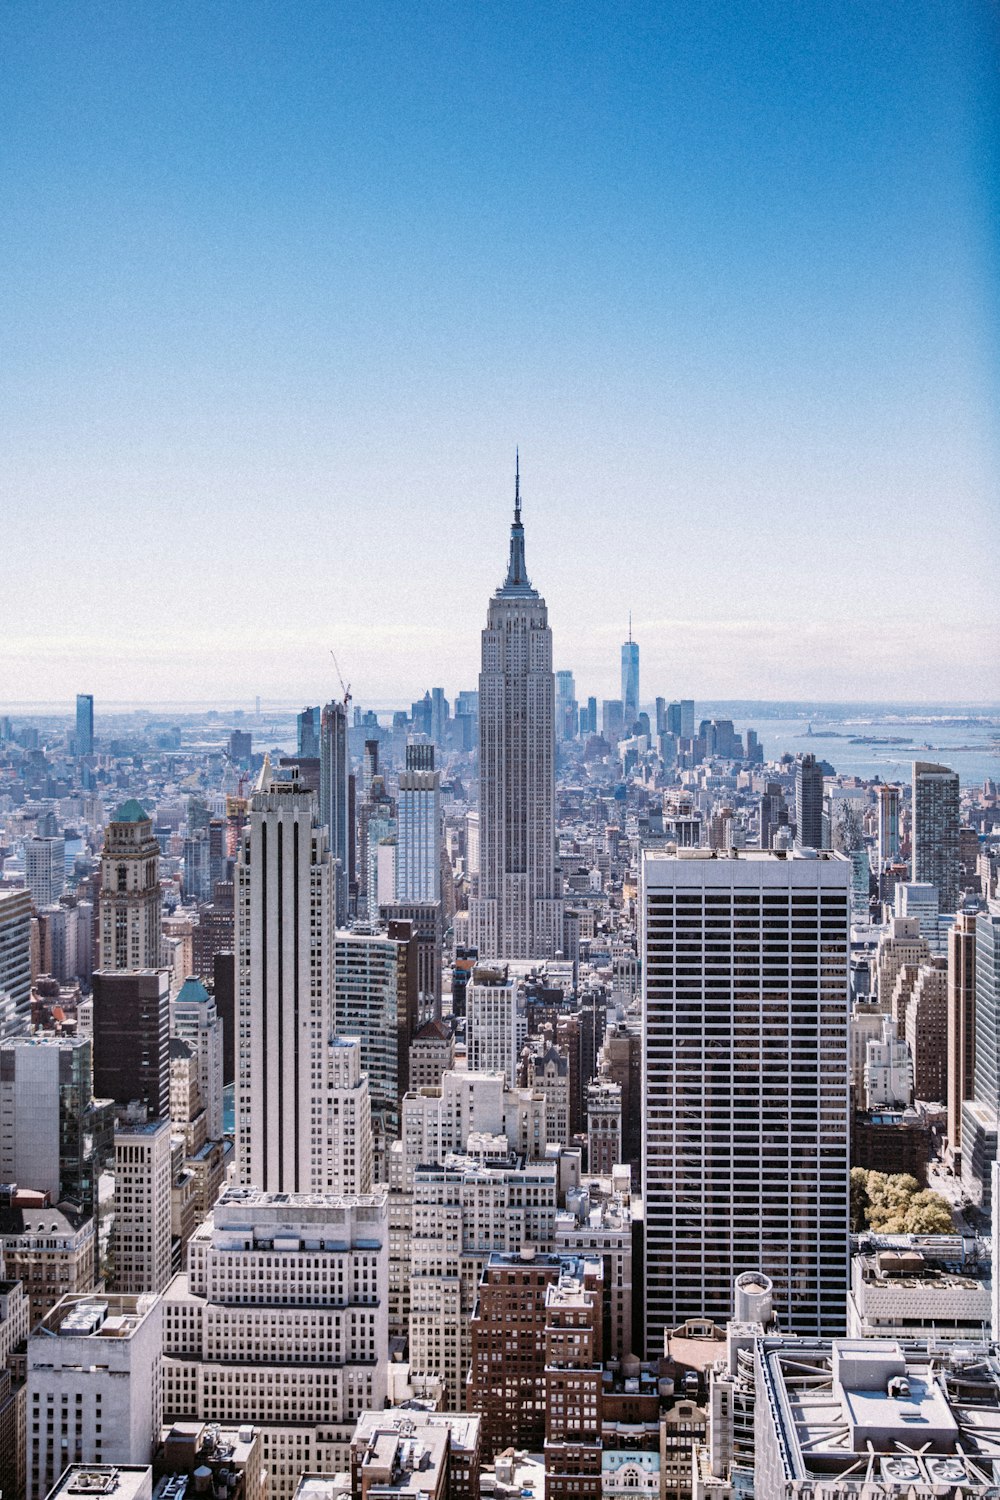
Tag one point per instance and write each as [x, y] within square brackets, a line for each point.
[334, 810]
[131, 896]
[131, 1027]
[516, 911]
[808, 803]
[196, 1021]
[307, 725]
[961, 1022]
[935, 830]
[567, 713]
[418, 858]
[15, 953]
[745, 1114]
[981, 1113]
[630, 679]
[84, 724]
[888, 825]
[45, 868]
[284, 986]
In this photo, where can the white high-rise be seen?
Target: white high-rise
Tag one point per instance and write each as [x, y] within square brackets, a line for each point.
[281, 1319]
[195, 1020]
[140, 1237]
[745, 1140]
[45, 869]
[495, 1028]
[284, 990]
[95, 1385]
[349, 1120]
[516, 910]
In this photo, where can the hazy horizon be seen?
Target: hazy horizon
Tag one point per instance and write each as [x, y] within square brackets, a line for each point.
[285, 286]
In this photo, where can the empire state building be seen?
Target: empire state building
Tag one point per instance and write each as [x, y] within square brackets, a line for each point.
[516, 911]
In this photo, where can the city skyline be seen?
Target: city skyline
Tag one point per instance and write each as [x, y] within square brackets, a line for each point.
[729, 287]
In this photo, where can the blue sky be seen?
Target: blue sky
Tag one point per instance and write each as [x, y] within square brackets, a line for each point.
[286, 283]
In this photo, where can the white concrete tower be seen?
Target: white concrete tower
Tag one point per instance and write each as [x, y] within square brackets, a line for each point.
[745, 1120]
[516, 912]
[284, 989]
[349, 1120]
[195, 1020]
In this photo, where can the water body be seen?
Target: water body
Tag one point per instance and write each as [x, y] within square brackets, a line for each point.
[964, 738]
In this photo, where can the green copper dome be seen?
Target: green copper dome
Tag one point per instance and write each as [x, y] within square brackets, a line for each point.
[192, 990]
[131, 812]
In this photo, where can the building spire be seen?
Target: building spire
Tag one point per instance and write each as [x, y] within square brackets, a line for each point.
[517, 487]
[517, 572]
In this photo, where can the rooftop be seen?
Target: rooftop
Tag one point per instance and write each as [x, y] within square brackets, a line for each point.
[192, 991]
[910, 1269]
[109, 1315]
[116, 1481]
[131, 812]
[876, 1409]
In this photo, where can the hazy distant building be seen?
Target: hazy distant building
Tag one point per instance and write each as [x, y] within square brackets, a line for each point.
[307, 732]
[808, 803]
[131, 897]
[630, 680]
[567, 710]
[516, 911]
[888, 825]
[612, 719]
[240, 747]
[935, 826]
[334, 801]
[773, 813]
[84, 740]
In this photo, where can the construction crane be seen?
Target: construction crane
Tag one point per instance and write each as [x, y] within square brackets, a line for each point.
[345, 687]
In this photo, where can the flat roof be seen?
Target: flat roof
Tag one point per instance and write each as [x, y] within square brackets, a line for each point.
[862, 1408]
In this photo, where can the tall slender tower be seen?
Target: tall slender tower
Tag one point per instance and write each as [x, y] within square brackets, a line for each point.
[84, 724]
[935, 827]
[284, 987]
[516, 911]
[334, 807]
[630, 679]
[418, 860]
[808, 804]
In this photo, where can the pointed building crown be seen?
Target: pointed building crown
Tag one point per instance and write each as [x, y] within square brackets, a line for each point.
[517, 581]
